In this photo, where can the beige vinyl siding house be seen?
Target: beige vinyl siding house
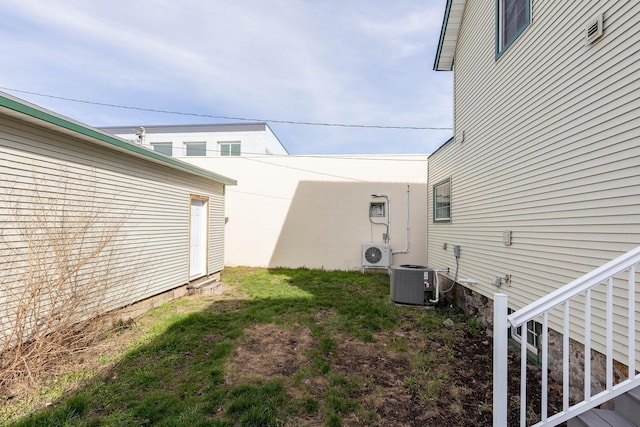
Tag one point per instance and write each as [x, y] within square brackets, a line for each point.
[546, 149]
[60, 169]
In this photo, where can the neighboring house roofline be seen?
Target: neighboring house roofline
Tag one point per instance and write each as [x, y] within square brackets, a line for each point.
[445, 55]
[277, 139]
[40, 115]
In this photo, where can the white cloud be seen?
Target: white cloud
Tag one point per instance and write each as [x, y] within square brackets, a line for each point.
[359, 61]
[405, 35]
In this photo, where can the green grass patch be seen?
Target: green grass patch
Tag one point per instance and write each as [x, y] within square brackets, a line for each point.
[174, 372]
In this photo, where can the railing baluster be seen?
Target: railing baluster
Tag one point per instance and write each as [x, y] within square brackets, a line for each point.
[632, 322]
[565, 357]
[545, 364]
[587, 345]
[500, 360]
[583, 286]
[523, 374]
[609, 337]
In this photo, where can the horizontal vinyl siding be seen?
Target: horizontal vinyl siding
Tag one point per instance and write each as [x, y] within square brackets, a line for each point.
[151, 202]
[551, 151]
[216, 234]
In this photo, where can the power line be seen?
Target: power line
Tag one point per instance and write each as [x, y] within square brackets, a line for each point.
[181, 113]
[262, 158]
[233, 190]
[304, 170]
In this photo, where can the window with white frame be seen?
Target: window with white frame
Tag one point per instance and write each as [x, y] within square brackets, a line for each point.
[229, 148]
[165, 148]
[195, 148]
[534, 330]
[442, 201]
[513, 17]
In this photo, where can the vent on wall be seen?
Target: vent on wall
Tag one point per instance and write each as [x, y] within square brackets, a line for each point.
[594, 29]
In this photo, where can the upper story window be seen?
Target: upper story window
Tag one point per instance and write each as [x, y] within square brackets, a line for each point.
[229, 148]
[513, 17]
[442, 201]
[165, 148]
[195, 148]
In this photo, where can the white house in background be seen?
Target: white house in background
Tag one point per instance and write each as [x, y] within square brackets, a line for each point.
[166, 216]
[315, 211]
[204, 140]
[541, 183]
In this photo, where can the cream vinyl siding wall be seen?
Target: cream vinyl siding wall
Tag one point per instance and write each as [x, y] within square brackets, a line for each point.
[151, 200]
[551, 151]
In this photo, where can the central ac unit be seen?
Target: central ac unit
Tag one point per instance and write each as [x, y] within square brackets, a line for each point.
[412, 284]
[376, 255]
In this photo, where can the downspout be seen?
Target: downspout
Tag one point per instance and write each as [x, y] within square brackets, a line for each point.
[406, 250]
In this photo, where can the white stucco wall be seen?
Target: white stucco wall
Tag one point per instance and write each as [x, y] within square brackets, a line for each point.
[313, 211]
[271, 143]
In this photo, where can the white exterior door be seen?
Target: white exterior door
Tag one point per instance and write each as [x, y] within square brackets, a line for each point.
[198, 238]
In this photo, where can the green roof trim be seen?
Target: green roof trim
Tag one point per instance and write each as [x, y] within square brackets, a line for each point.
[68, 124]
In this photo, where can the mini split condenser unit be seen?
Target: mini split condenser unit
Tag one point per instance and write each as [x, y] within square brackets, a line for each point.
[376, 255]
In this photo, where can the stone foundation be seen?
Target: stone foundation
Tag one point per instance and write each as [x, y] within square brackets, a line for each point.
[481, 309]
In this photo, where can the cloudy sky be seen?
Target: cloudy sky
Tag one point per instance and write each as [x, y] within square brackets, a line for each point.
[365, 62]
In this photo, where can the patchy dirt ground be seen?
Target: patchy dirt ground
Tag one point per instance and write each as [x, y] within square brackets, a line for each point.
[446, 387]
[400, 378]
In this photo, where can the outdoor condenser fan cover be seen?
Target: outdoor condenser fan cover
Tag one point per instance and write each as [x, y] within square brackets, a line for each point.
[373, 255]
[376, 255]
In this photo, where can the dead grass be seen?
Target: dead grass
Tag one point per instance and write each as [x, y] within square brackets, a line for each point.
[314, 352]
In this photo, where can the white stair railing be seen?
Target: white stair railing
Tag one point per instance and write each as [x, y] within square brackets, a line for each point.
[563, 297]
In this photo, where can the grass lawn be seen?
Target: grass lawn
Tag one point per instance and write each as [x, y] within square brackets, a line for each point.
[280, 347]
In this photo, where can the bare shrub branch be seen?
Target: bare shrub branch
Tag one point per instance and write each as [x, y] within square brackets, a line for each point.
[61, 269]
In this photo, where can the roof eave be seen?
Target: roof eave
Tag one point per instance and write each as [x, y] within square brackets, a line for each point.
[449, 32]
[37, 114]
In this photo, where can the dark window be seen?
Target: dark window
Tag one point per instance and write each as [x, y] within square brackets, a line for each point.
[165, 148]
[513, 18]
[196, 148]
[229, 148]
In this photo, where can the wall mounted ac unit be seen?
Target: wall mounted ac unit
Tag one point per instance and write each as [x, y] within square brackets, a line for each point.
[376, 255]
